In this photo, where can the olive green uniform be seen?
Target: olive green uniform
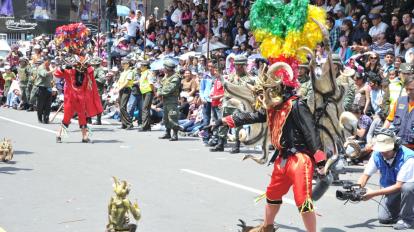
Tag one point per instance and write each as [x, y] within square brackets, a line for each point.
[170, 90]
[24, 76]
[99, 75]
[44, 97]
[228, 107]
[31, 88]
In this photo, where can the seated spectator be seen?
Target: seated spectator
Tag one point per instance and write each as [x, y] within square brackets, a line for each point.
[344, 51]
[393, 29]
[188, 84]
[362, 93]
[364, 123]
[361, 29]
[376, 93]
[378, 27]
[381, 46]
[407, 21]
[398, 43]
[183, 106]
[388, 63]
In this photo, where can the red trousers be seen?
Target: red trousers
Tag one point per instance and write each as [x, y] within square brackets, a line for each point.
[70, 110]
[297, 171]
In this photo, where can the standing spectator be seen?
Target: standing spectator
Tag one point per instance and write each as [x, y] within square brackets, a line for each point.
[378, 27]
[206, 85]
[44, 84]
[8, 77]
[186, 15]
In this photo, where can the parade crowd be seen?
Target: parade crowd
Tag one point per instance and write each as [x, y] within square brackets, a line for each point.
[167, 75]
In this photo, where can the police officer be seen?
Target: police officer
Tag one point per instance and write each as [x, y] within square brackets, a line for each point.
[401, 116]
[123, 86]
[395, 164]
[32, 89]
[23, 71]
[146, 86]
[44, 84]
[169, 92]
[230, 105]
[99, 75]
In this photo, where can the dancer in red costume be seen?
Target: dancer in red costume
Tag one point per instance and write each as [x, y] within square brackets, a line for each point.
[81, 96]
[294, 134]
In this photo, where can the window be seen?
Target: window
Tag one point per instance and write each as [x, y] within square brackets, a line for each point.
[41, 9]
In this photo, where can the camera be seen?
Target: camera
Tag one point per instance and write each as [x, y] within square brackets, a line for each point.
[352, 192]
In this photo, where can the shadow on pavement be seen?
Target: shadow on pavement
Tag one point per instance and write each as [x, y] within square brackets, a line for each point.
[188, 138]
[102, 129]
[17, 152]
[13, 170]
[330, 229]
[369, 224]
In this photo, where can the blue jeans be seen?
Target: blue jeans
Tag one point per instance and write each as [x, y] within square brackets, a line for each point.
[186, 123]
[135, 104]
[216, 113]
[206, 113]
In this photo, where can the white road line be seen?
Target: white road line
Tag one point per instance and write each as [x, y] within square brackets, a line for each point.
[28, 125]
[239, 186]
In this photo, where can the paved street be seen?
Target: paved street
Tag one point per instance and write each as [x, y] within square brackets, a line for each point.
[180, 186]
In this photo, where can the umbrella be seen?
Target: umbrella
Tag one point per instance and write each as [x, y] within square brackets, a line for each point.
[159, 64]
[213, 46]
[185, 56]
[255, 56]
[122, 10]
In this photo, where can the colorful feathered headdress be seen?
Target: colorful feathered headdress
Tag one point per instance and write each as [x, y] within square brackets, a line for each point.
[72, 36]
[283, 28]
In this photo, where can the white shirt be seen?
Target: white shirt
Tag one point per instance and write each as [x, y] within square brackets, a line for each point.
[131, 27]
[378, 29]
[405, 174]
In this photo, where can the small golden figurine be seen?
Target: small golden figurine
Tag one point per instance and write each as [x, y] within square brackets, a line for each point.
[119, 208]
[6, 150]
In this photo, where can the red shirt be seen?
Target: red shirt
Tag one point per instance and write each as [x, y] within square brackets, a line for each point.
[218, 90]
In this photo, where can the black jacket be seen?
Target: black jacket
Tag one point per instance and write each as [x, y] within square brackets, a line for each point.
[299, 134]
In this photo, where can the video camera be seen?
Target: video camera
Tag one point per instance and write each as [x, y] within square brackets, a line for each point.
[352, 192]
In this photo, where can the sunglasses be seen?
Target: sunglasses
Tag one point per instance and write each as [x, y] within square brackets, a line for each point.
[373, 58]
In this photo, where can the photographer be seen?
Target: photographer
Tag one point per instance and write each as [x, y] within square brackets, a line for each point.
[395, 164]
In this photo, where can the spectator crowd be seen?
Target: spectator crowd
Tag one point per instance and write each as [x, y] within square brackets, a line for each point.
[372, 46]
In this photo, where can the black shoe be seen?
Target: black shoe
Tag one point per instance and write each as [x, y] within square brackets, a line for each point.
[87, 140]
[167, 135]
[58, 139]
[236, 148]
[123, 127]
[46, 120]
[144, 129]
[218, 147]
[174, 136]
[97, 123]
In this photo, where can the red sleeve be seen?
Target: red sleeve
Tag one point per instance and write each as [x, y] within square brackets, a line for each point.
[59, 73]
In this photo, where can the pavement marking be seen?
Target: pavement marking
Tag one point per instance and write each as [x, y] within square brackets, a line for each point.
[28, 125]
[230, 183]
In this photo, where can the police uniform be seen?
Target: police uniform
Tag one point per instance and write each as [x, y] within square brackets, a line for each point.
[24, 73]
[146, 88]
[99, 75]
[229, 108]
[169, 91]
[127, 76]
[44, 97]
[32, 89]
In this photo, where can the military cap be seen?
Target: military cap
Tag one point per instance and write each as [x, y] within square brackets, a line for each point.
[169, 64]
[406, 68]
[240, 59]
[96, 61]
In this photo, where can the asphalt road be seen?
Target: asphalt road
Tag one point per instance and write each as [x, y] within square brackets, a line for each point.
[180, 186]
